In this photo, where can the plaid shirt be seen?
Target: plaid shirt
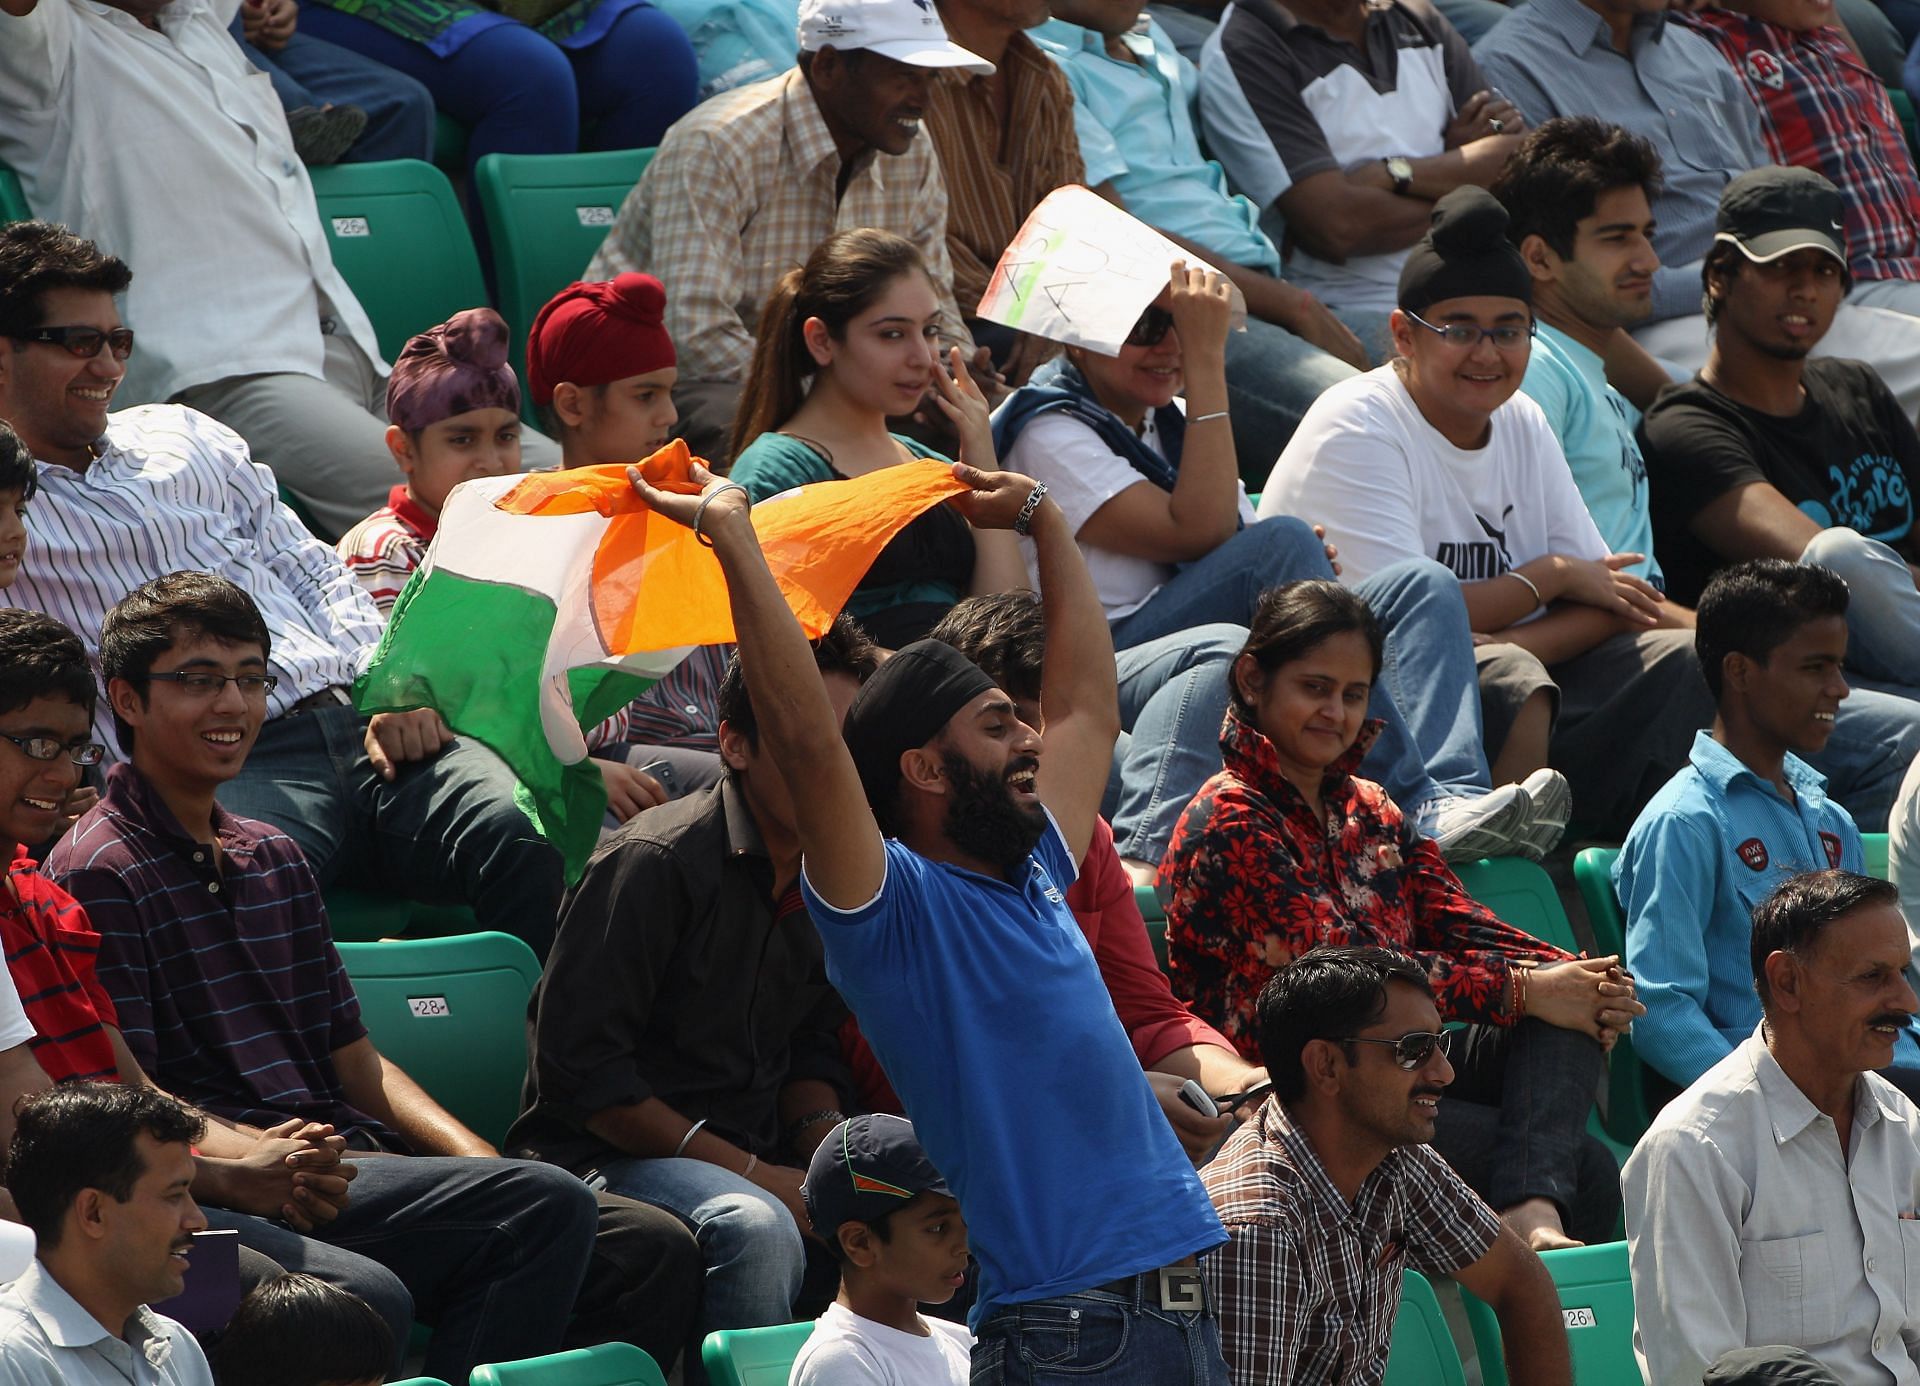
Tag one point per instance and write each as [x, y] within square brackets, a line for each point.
[742, 190]
[50, 950]
[1821, 108]
[1307, 1288]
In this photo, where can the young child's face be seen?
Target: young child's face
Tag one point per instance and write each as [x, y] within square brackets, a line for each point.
[33, 792]
[480, 442]
[13, 535]
[925, 1257]
[628, 420]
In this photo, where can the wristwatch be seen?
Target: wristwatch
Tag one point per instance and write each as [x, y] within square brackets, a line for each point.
[1400, 171]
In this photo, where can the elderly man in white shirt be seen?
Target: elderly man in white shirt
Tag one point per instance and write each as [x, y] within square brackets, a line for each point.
[1777, 1200]
[101, 1173]
[141, 125]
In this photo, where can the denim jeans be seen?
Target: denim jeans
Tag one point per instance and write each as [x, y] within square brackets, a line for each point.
[1514, 1123]
[313, 72]
[445, 831]
[1875, 737]
[1431, 743]
[754, 1257]
[1173, 696]
[1098, 1338]
[1883, 608]
[1272, 376]
[491, 1253]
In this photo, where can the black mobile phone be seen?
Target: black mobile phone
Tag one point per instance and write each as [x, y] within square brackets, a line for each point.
[662, 771]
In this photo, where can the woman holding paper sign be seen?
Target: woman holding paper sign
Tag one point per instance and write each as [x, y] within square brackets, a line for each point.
[1150, 482]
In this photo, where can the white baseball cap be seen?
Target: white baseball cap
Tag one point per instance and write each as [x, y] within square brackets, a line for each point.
[908, 31]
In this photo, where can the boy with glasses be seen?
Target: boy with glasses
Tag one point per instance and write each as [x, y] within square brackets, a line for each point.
[1437, 453]
[1332, 1189]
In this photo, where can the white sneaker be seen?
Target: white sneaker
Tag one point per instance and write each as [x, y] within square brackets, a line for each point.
[1552, 806]
[1488, 825]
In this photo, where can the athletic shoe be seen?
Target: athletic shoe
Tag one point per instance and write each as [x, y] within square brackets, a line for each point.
[1552, 807]
[1487, 825]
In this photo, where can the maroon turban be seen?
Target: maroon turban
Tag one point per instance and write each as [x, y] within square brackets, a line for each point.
[453, 368]
[594, 334]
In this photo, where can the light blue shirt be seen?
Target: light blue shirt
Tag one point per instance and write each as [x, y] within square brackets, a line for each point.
[48, 1339]
[1713, 843]
[1595, 424]
[1556, 57]
[985, 1007]
[1135, 123]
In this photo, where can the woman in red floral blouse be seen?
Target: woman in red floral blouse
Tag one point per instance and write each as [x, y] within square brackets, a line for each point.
[1285, 850]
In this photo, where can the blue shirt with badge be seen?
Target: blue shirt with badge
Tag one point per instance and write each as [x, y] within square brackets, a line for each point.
[1595, 425]
[1713, 843]
[985, 1007]
[1135, 124]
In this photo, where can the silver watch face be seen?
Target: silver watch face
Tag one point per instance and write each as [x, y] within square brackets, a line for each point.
[1400, 171]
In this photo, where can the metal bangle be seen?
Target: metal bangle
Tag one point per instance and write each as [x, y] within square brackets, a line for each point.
[1538, 600]
[687, 1139]
[1024, 520]
[814, 1119]
[701, 509]
[1205, 418]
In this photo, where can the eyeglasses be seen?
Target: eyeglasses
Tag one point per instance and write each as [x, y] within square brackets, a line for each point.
[1471, 334]
[84, 341]
[199, 683]
[1411, 1050]
[1152, 328]
[52, 748]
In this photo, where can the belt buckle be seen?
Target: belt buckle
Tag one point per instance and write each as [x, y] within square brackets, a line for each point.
[1182, 1291]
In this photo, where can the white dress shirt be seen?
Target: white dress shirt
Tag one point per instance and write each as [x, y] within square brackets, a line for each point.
[173, 489]
[1746, 1227]
[171, 151]
[48, 1339]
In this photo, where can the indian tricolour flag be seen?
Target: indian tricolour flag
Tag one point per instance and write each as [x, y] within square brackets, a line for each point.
[546, 602]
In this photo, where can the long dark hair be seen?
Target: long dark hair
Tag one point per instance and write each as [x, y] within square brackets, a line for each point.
[840, 280]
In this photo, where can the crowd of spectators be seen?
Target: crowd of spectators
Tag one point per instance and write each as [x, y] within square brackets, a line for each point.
[1522, 440]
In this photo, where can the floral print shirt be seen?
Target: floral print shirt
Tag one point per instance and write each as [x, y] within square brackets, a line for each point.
[1252, 879]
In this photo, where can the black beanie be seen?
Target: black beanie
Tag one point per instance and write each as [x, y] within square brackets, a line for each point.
[904, 706]
[1465, 252]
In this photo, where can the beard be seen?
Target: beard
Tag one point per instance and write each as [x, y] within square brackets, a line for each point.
[983, 820]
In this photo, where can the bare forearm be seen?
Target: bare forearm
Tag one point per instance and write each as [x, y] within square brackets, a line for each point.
[1367, 217]
[1562, 634]
[384, 1092]
[1077, 676]
[1498, 602]
[652, 1130]
[1217, 1070]
[1634, 371]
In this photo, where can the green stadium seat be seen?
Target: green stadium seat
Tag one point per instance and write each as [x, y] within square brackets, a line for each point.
[753, 1356]
[1629, 1112]
[452, 1012]
[419, 1381]
[1874, 847]
[401, 242]
[1903, 107]
[1596, 1299]
[366, 916]
[1423, 1353]
[449, 144]
[610, 1364]
[13, 201]
[547, 214]
[1148, 902]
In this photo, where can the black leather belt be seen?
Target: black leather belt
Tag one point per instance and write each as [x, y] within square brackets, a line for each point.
[1177, 1289]
[334, 695]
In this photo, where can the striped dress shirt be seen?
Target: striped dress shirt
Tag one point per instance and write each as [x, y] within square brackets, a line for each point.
[1308, 1288]
[996, 177]
[170, 490]
[742, 190]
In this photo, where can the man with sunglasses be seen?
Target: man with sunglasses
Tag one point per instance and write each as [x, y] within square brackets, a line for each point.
[1332, 1189]
[1437, 453]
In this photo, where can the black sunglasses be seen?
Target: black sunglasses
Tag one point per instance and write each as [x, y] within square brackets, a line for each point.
[85, 341]
[1411, 1050]
[1152, 328]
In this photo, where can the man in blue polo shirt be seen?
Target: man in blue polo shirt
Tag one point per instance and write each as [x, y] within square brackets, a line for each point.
[1746, 814]
[950, 939]
[1132, 93]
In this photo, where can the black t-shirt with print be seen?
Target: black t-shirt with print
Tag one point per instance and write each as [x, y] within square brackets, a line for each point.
[1850, 459]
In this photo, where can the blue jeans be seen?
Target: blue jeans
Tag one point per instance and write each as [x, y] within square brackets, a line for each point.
[1875, 737]
[1098, 1338]
[1431, 743]
[1883, 608]
[1173, 696]
[313, 72]
[446, 831]
[1272, 377]
[1473, 18]
[754, 1256]
[490, 1252]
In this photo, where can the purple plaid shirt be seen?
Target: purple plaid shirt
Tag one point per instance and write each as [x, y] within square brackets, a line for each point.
[1308, 1287]
[1821, 108]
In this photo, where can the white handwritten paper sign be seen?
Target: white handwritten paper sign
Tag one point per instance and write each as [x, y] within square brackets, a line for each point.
[1081, 272]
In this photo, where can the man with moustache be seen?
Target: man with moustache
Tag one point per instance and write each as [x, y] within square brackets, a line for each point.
[1774, 1200]
[1332, 1189]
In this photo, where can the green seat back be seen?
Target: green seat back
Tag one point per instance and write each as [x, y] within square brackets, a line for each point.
[753, 1356]
[546, 215]
[401, 242]
[1903, 107]
[419, 1381]
[449, 144]
[1874, 847]
[365, 916]
[1423, 1352]
[13, 200]
[1147, 901]
[1629, 1113]
[610, 1364]
[1596, 1299]
[452, 1012]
